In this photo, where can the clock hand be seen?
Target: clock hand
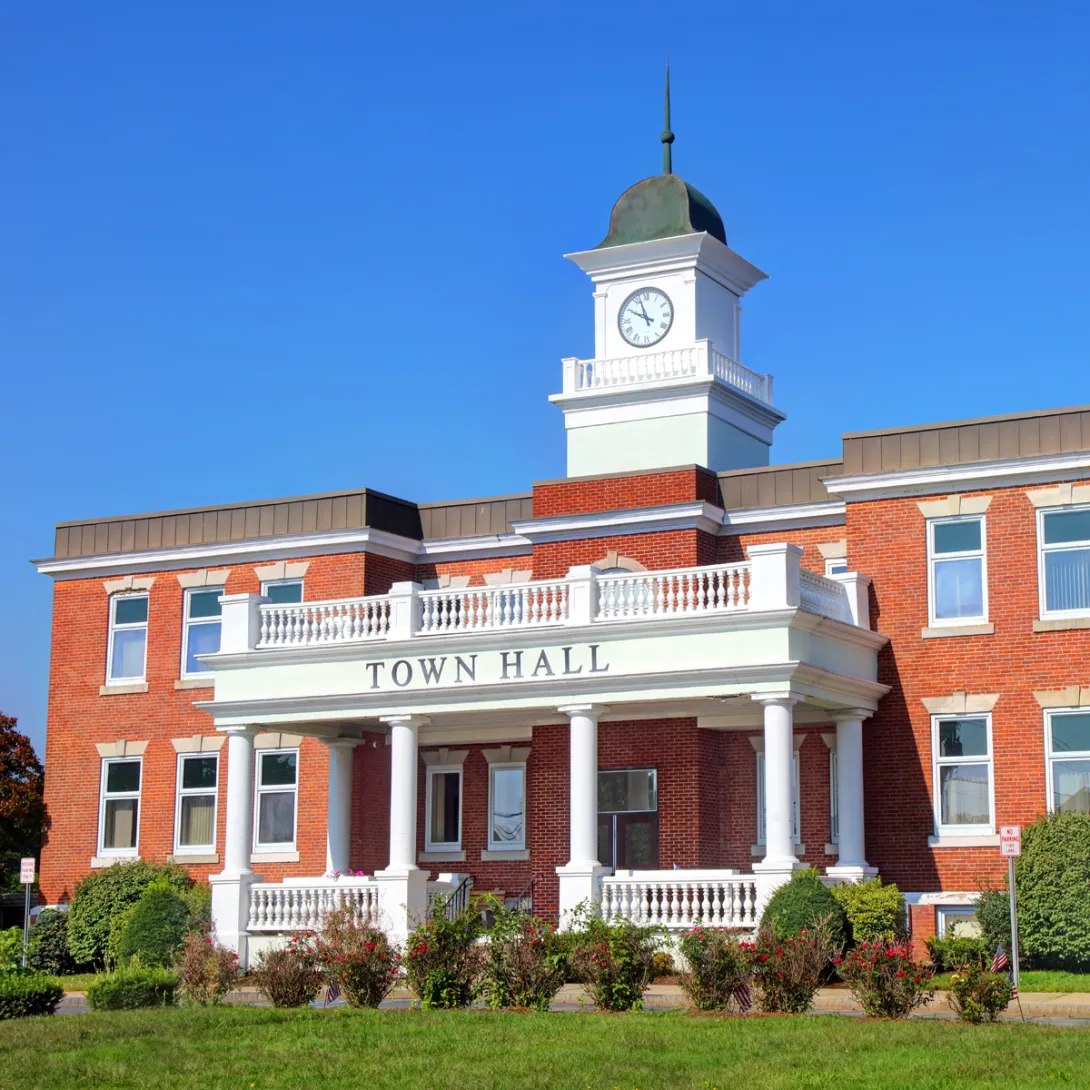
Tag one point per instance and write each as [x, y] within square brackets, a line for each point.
[643, 314]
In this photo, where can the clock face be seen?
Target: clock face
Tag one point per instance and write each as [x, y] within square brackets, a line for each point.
[645, 317]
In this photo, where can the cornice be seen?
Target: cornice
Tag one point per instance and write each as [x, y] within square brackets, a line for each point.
[750, 520]
[694, 515]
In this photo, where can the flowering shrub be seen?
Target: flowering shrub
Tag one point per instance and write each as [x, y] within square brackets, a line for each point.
[885, 979]
[978, 995]
[442, 960]
[205, 970]
[526, 961]
[289, 977]
[614, 961]
[719, 967]
[357, 957]
[788, 971]
[346, 874]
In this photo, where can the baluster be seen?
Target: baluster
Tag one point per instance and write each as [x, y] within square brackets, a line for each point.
[706, 902]
[749, 901]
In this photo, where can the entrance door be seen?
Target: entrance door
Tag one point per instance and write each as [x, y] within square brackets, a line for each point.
[628, 819]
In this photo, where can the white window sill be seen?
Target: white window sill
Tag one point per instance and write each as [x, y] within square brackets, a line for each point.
[195, 683]
[119, 689]
[760, 850]
[261, 856]
[182, 858]
[500, 854]
[973, 840]
[452, 856]
[940, 631]
[832, 849]
[99, 862]
[1061, 624]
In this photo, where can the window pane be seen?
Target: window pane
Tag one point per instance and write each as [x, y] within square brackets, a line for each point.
[959, 588]
[959, 924]
[276, 817]
[278, 769]
[963, 738]
[605, 839]
[507, 806]
[120, 831]
[198, 812]
[130, 611]
[1071, 786]
[445, 807]
[1067, 579]
[285, 592]
[957, 537]
[122, 776]
[1064, 526]
[128, 656]
[1071, 733]
[204, 639]
[639, 847]
[964, 795]
[834, 800]
[839, 568]
[198, 772]
[633, 789]
[205, 603]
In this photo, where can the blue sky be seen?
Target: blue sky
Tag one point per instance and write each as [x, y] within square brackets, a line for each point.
[255, 250]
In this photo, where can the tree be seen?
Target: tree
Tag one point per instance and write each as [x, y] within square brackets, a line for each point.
[22, 805]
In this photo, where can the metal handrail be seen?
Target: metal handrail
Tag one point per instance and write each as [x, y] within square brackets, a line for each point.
[458, 900]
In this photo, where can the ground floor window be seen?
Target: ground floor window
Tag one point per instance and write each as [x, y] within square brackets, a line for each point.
[195, 821]
[507, 807]
[834, 799]
[1067, 744]
[960, 922]
[119, 813]
[628, 819]
[277, 795]
[443, 809]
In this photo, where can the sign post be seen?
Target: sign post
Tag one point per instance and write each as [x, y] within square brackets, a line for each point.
[1010, 845]
[26, 876]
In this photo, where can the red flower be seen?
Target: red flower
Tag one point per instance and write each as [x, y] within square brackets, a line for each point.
[901, 973]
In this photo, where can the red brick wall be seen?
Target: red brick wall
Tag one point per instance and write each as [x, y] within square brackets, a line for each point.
[583, 495]
[658, 551]
[734, 548]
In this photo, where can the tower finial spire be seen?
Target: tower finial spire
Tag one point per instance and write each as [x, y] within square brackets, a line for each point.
[667, 137]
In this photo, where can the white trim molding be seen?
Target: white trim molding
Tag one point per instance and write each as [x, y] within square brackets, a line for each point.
[282, 569]
[793, 516]
[695, 515]
[121, 748]
[834, 550]
[1073, 696]
[199, 743]
[128, 582]
[954, 506]
[1061, 495]
[203, 577]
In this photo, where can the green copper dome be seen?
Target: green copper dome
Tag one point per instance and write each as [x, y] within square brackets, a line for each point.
[661, 207]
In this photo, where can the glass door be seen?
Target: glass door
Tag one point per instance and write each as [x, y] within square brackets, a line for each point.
[628, 819]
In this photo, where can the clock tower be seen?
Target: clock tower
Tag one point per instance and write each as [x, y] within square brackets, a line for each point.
[666, 385]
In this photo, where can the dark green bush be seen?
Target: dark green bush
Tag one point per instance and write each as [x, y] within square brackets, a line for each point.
[130, 989]
[155, 927]
[993, 914]
[875, 912]
[442, 961]
[102, 895]
[48, 951]
[956, 951]
[803, 904]
[25, 993]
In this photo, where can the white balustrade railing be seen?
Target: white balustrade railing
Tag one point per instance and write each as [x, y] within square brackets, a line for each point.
[717, 589]
[298, 906]
[678, 900]
[305, 623]
[473, 609]
[824, 596]
[734, 374]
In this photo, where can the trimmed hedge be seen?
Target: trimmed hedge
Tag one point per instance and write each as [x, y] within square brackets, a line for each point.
[155, 927]
[875, 912]
[131, 989]
[803, 903]
[23, 994]
[48, 951]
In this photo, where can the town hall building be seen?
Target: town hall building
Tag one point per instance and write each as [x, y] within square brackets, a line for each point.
[660, 683]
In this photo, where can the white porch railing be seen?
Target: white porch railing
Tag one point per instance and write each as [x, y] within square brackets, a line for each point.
[521, 605]
[302, 905]
[677, 900]
[822, 595]
[686, 590]
[307, 623]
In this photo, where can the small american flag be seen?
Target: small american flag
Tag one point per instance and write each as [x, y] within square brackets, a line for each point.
[333, 992]
[1000, 961]
[742, 997]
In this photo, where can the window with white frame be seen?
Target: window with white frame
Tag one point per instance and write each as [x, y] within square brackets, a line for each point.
[119, 809]
[507, 807]
[962, 754]
[959, 922]
[128, 641]
[283, 591]
[201, 629]
[1067, 749]
[195, 818]
[277, 799]
[443, 809]
[836, 565]
[761, 797]
[1064, 564]
[834, 799]
[957, 575]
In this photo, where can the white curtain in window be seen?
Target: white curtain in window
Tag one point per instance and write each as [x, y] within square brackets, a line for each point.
[1067, 579]
[965, 795]
[198, 812]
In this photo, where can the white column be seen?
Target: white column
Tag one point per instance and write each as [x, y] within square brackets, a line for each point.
[339, 803]
[779, 784]
[852, 862]
[580, 877]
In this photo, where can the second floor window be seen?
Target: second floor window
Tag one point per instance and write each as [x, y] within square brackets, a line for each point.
[128, 645]
[201, 630]
[1065, 561]
[957, 573]
[283, 591]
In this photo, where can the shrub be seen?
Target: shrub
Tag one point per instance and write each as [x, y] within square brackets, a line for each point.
[993, 914]
[875, 912]
[801, 904]
[11, 948]
[614, 961]
[885, 980]
[155, 926]
[26, 993]
[954, 951]
[130, 989]
[289, 977]
[719, 968]
[526, 961]
[978, 995]
[205, 969]
[113, 958]
[198, 899]
[662, 964]
[102, 895]
[788, 971]
[358, 957]
[442, 961]
[48, 949]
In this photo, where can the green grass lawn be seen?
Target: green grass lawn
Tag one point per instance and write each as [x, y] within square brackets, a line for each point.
[1039, 980]
[244, 1048]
